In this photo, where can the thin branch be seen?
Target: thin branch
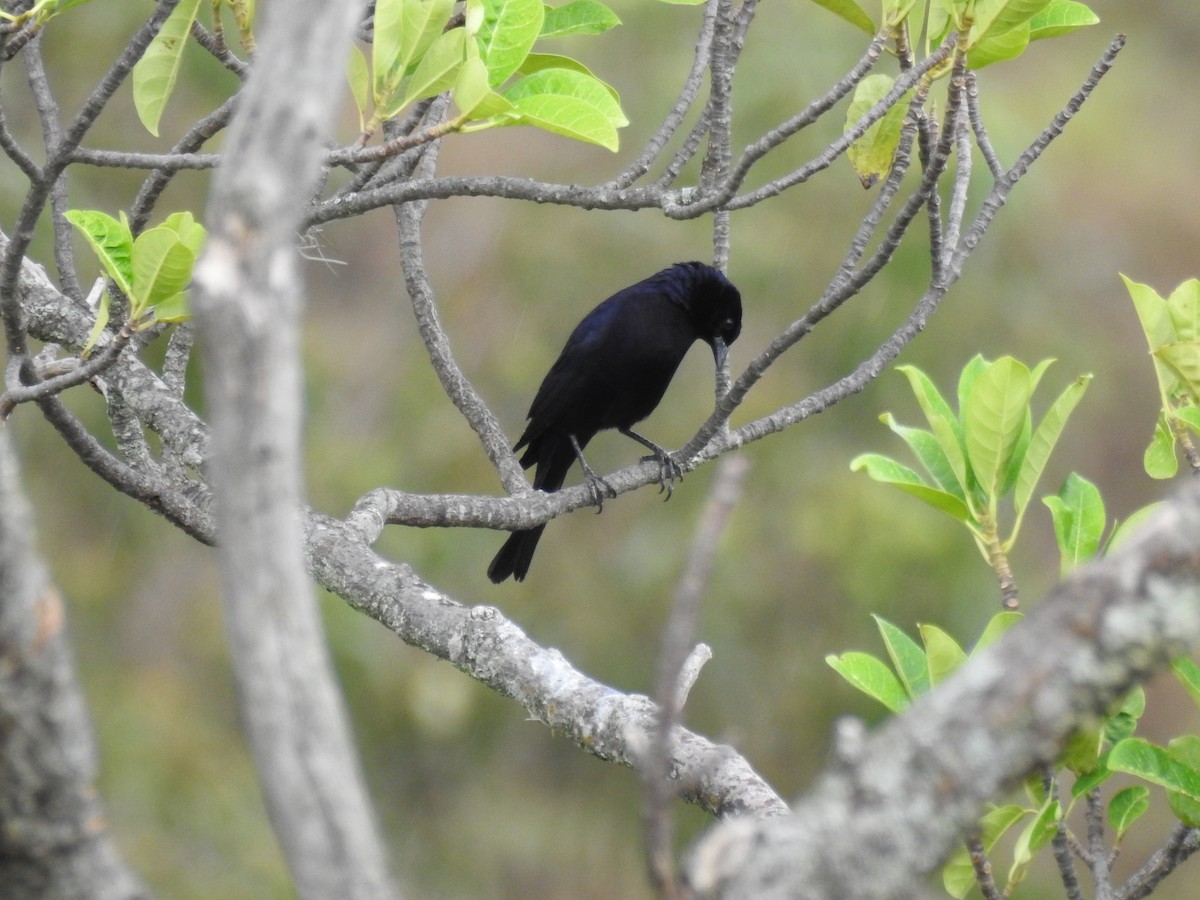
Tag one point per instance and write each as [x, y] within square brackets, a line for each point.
[1060, 845]
[456, 385]
[1099, 864]
[687, 96]
[982, 867]
[1183, 843]
[981, 135]
[59, 158]
[678, 636]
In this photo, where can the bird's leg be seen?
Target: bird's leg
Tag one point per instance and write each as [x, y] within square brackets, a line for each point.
[599, 487]
[669, 470]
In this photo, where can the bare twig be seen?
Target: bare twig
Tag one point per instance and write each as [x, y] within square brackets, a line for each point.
[670, 683]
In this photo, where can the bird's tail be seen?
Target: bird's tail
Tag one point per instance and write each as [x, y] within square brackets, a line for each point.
[516, 554]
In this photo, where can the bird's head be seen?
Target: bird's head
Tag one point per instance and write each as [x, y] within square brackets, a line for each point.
[714, 303]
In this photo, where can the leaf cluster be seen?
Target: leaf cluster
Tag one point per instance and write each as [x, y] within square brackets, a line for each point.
[1172, 328]
[984, 452]
[152, 272]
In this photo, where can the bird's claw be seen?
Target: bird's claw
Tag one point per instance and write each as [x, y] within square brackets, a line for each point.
[669, 471]
[599, 488]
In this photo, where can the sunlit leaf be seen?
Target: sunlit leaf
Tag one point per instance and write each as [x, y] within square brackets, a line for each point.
[872, 154]
[996, 17]
[993, 419]
[578, 17]
[1126, 807]
[155, 73]
[1159, 459]
[928, 449]
[994, 48]
[1079, 521]
[1188, 675]
[508, 31]
[1042, 443]
[536, 62]
[996, 628]
[943, 652]
[436, 72]
[908, 659]
[111, 241]
[1060, 17]
[871, 676]
[1152, 763]
[162, 267]
[888, 471]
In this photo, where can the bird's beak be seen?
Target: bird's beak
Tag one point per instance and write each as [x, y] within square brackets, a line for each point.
[720, 352]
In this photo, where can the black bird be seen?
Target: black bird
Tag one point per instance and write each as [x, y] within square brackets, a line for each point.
[612, 373]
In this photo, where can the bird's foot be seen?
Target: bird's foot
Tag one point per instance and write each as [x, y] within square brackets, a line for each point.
[669, 471]
[598, 486]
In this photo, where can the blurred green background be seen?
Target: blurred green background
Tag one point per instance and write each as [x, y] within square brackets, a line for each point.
[478, 801]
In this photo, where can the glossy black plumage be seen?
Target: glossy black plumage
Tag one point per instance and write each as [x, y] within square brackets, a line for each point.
[612, 373]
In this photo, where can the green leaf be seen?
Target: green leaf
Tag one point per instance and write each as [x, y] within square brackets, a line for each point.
[1041, 445]
[1189, 416]
[958, 875]
[535, 62]
[1152, 313]
[871, 676]
[1036, 835]
[568, 103]
[851, 12]
[996, 628]
[98, 326]
[1188, 674]
[162, 267]
[887, 470]
[1121, 724]
[1132, 523]
[509, 29]
[908, 659]
[1160, 460]
[359, 78]
[1152, 763]
[569, 84]
[1126, 807]
[942, 421]
[578, 17]
[1185, 750]
[966, 380]
[1081, 755]
[996, 48]
[436, 72]
[1183, 306]
[872, 154]
[404, 30]
[173, 309]
[111, 241]
[943, 652]
[1060, 17]
[1183, 359]
[996, 17]
[472, 94]
[928, 449]
[191, 232]
[1159, 328]
[155, 73]
[1079, 521]
[993, 419]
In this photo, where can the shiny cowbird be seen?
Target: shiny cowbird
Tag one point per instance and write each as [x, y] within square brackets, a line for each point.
[612, 373]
